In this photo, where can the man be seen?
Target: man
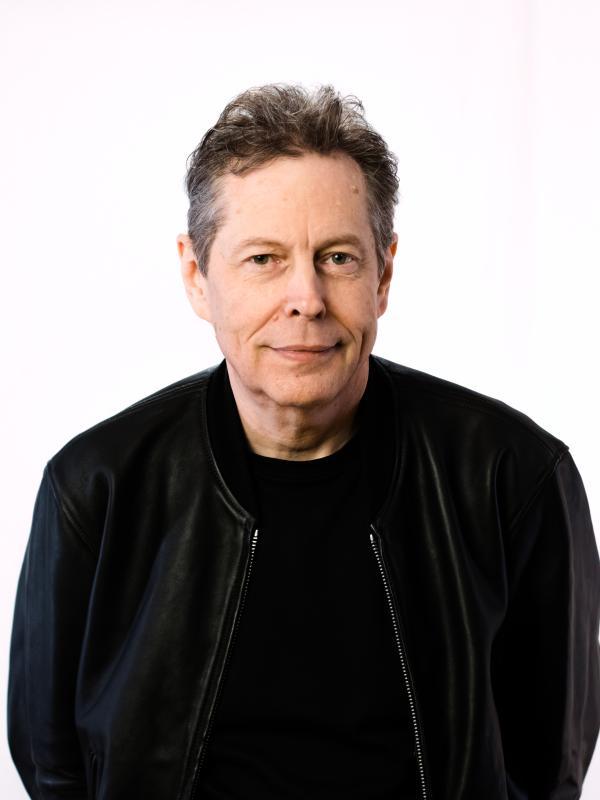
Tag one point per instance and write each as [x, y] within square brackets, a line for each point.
[307, 572]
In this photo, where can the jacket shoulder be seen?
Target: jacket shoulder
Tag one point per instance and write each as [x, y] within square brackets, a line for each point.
[163, 403]
[126, 446]
[474, 434]
[430, 392]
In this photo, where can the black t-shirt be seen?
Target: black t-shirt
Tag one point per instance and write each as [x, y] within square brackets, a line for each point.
[313, 703]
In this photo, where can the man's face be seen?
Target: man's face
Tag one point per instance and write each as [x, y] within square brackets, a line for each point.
[292, 288]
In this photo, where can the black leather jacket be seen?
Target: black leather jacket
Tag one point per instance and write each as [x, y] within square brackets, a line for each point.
[139, 557]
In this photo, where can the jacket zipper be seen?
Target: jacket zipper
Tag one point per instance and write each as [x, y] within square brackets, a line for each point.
[403, 662]
[238, 615]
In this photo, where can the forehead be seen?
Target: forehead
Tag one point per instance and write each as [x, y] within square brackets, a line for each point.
[311, 189]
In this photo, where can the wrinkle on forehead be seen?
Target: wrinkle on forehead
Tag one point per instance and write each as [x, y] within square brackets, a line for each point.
[294, 199]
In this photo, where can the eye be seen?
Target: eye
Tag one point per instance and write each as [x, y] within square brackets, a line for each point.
[261, 259]
[340, 259]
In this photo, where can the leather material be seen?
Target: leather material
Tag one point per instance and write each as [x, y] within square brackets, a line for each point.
[134, 574]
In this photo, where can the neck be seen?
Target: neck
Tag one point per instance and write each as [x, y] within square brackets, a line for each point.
[298, 433]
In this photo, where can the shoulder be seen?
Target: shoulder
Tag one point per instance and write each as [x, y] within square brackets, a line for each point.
[428, 396]
[163, 407]
[151, 436]
[467, 433]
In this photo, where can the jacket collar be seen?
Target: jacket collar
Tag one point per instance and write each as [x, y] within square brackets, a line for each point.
[377, 429]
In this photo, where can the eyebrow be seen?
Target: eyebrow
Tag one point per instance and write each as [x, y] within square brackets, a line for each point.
[344, 238]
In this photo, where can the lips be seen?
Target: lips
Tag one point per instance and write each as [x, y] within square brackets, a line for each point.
[307, 348]
[306, 353]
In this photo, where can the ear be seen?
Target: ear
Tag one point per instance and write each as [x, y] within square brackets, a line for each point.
[196, 284]
[383, 288]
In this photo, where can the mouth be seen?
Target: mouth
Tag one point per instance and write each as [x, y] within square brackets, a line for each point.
[306, 352]
[308, 348]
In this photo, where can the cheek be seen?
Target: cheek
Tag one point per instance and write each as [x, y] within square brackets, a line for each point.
[224, 317]
[237, 318]
[364, 321]
[359, 311]
[226, 309]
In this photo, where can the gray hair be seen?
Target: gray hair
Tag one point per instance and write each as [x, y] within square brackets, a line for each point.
[265, 122]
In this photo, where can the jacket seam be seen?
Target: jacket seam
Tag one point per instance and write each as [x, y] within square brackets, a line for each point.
[166, 393]
[494, 412]
[542, 481]
[230, 499]
[484, 404]
[126, 412]
[68, 514]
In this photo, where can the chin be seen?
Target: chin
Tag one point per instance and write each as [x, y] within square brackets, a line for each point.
[305, 392]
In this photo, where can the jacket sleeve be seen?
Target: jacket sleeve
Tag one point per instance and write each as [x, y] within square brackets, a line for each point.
[49, 620]
[546, 657]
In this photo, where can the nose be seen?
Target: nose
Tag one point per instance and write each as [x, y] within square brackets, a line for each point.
[304, 292]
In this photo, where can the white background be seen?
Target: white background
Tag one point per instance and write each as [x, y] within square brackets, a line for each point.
[492, 108]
